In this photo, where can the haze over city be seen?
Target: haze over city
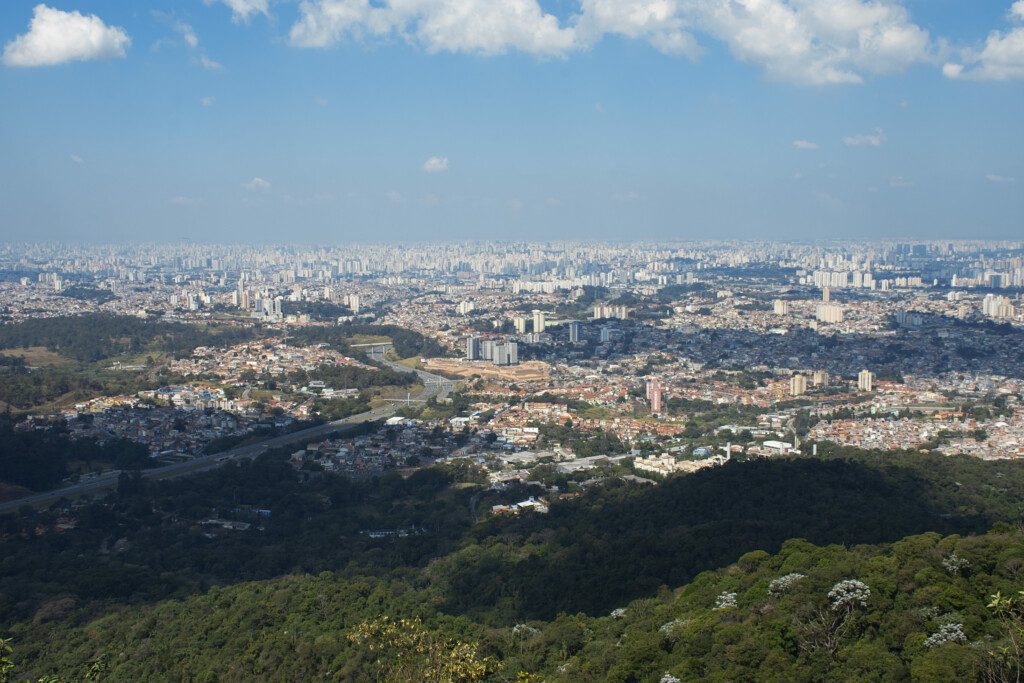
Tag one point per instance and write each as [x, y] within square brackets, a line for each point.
[336, 120]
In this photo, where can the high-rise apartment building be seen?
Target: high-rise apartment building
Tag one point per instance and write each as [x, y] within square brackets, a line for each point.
[829, 313]
[472, 348]
[654, 395]
[539, 323]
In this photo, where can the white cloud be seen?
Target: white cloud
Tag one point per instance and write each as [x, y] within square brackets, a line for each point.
[816, 42]
[802, 41]
[77, 159]
[243, 10]
[662, 23]
[951, 70]
[804, 145]
[190, 37]
[56, 37]
[207, 101]
[865, 139]
[477, 26]
[900, 182]
[394, 196]
[999, 179]
[257, 184]
[1001, 59]
[631, 196]
[436, 165]
[187, 34]
[208, 64]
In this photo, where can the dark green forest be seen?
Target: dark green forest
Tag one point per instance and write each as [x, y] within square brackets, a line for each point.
[926, 608]
[23, 387]
[96, 336]
[88, 340]
[40, 459]
[134, 582]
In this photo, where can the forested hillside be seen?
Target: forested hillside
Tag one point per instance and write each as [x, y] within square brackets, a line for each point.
[922, 608]
[591, 555]
[102, 335]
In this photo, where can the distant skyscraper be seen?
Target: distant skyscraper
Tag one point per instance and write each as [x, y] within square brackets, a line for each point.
[353, 302]
[826, 294]
[829, 313]
[539, 323]
[520, 322]
[820, 378]
[781, 307]
[606, 334]
[797, 385]
[865, 380]
[473, 348]
[654, 395]
[602, 311]
[506, 353]
[574, 332]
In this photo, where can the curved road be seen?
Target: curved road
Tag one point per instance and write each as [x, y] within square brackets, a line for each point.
[434, 385]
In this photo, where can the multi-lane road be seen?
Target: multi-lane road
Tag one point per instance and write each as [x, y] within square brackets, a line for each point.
[434, 386]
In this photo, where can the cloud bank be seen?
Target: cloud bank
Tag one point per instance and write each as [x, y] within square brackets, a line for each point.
[57, 37]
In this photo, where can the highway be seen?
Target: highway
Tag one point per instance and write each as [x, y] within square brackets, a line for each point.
[434, 385]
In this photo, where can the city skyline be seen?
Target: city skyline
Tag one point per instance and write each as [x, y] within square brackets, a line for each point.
[256, 121]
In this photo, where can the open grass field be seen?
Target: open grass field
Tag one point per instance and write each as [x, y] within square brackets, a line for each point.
[37, 356]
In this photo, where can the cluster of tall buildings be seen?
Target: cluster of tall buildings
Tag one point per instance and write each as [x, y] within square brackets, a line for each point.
[498, 352]
[798, 382]
[603, 311]
[998, 307]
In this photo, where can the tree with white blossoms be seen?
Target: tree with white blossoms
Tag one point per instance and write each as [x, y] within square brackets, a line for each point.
[618, 613]
[827, 629]
[524, 631]
[784, 583]
[947, 633]
[954, 564]
[669, 678]
[725, 600]
[847, 595]
[668, 628]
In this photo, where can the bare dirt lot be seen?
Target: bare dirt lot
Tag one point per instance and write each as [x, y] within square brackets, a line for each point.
[530, 371]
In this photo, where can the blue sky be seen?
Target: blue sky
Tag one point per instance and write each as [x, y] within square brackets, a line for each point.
[339, 120]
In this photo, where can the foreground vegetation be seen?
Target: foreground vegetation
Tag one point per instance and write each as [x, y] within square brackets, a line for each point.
[146, 587]
[926, 608]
